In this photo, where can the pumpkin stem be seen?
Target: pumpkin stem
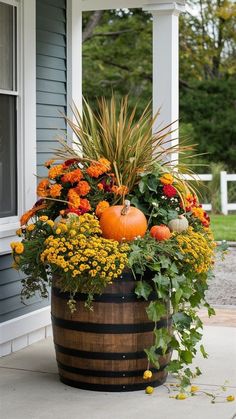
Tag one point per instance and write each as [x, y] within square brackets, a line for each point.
[126, 207]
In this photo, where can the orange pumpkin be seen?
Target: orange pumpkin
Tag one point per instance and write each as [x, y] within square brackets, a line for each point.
[123, 222]
[160, 232]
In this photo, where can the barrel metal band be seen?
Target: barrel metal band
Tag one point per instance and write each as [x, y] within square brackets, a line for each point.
[107, 328]
[115, 356]
[116, 298]
[104, 373]
[111, 387]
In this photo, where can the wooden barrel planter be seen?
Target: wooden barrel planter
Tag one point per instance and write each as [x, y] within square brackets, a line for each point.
[103, 349]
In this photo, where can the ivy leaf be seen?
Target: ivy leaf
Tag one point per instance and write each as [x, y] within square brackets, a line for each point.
[178, 295]
[187, 356]
[165, 262]
[174, 366]
[204, 353]
[162, 339]
[156, 310]
[152, 356]
[161, 280]
[181, 320]
[143, 289]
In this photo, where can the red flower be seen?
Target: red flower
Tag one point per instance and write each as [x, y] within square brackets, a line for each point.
[169, 191]
[69, 162]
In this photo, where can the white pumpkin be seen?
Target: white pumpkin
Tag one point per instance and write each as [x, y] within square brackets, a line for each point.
[178, 224]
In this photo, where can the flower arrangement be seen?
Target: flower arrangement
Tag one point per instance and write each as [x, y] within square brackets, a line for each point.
[173, 257]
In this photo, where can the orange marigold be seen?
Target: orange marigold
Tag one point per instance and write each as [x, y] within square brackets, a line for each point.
[72, 177]
[105, 163]
[55, 171]
[55, 190]
[101, 206]
[48, 163]
[120, 190]
[100, 186]
[73, 198]
[43, 188]
[84, 205]
[83, 188]
[97, 168]
[30, 213]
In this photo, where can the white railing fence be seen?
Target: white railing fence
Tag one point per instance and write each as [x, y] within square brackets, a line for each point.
[224, 179]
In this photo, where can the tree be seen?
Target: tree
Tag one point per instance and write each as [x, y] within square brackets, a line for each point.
[117, 56]
[208, 40]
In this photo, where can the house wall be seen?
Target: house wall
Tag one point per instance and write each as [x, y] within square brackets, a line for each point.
[51, 64]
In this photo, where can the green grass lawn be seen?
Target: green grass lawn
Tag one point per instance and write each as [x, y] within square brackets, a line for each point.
[224, 227]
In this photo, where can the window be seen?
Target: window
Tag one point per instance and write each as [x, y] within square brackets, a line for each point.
[17, 115]
[8, 98]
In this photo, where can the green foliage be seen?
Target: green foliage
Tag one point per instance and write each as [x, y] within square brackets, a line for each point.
[117, 57]
[179, 291]
[209, 106]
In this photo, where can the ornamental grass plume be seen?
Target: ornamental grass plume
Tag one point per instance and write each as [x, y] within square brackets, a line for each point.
[114, 133]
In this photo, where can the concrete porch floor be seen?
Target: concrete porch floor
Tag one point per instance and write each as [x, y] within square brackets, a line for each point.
[30, 388]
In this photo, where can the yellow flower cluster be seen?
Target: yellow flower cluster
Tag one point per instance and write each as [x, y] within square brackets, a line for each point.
[198, 249]
[77, 249]
[17, 247]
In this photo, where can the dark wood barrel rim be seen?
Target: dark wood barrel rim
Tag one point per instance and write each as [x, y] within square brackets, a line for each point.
[116, 298]
[111, 387]
[108, 328]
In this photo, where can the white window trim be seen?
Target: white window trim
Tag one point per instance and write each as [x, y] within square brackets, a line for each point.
[26, 118]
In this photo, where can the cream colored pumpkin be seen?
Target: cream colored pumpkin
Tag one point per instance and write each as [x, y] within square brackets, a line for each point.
[179, 224]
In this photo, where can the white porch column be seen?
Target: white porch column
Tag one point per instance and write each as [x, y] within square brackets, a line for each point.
[74, 54]
[166, 63]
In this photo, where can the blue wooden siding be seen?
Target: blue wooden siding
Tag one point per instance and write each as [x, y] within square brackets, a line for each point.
[11, 305]
[51, 104]
[51, 77]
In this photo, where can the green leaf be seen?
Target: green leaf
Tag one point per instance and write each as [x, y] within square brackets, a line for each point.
[143, 289]
[162, 339]
[152, 356]
[142, 186]
[182, 320]
[156, 310]
[178, 295]
[152, 183]
[187, 356]
[174, 366]
[203, 352]
[161, 280]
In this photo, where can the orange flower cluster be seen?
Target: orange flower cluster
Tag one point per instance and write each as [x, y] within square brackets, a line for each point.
[102, 205]
[120, 190]
[83, 188]
[76, 186]
[72, 177]
[98, 168]
[190, 202]
[55, 171]
[199, 213]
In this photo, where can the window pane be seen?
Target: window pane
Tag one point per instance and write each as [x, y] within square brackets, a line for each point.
[8, 165]
[7, 48]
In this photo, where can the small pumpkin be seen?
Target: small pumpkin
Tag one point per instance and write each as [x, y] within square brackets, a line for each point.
[160, 232]
[178, 224]
[123, 222]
